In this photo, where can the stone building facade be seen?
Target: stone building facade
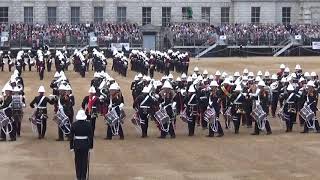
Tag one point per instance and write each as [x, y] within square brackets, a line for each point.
[161, 12]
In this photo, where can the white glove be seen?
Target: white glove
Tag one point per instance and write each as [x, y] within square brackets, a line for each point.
[71, 150]
[110, 106]
[101, 97]
[23, 105]
[174, 105]
[91, 150]
[121, 106]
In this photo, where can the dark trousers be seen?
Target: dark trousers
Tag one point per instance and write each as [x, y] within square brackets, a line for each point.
[92, 122]
[290, 121]
[171, 130]
[219, 130]
[81, 163]
[274, 105]
[191, 124]
[144, 124]
[236, 122]
[267, 126]
[109, 132]
[248, 118]
[151, 72]
[9, 67]
[17, 117]
[41, 73]
[42, 128]
[60, 134]
[49, 67]
[2, 67]
[12, 133]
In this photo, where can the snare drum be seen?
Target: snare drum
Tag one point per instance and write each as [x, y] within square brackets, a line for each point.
[209, 115]
[4, 120]
[258, 113]
[306, 113]
[161, 116]
[111, 117]
[184, 117]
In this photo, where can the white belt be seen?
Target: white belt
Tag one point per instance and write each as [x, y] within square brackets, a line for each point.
[145, 107]
[81, 137]
[41, 107]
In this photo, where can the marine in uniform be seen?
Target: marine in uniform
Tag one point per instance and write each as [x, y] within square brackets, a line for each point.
[144, 106]
[81, 141]
[6, 107]
[167, 102]
[39, 103]
[91, 104]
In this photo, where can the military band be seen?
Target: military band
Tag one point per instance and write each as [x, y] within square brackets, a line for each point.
[199, 98]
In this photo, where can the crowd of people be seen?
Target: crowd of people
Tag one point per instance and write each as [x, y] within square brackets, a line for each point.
[36, 35]
[242, 34]
[186, 34]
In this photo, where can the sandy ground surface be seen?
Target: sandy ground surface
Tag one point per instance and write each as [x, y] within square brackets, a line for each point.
[280, 156]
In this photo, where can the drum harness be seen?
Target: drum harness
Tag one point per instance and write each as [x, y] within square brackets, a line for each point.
[213, 124]
[114, 127]
[3, 116]
[35, 115]
[308, 123]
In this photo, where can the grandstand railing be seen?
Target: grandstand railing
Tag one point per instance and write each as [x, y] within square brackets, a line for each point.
[69, 41]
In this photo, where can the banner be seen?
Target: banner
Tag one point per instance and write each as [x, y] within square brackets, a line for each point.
[118, 46]
[223, 38]
[4, 38]
[93, 39]
[315, 45]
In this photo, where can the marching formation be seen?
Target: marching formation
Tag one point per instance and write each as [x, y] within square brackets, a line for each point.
[43, 59]
[164, 62]
[211, 101]
[243, 99]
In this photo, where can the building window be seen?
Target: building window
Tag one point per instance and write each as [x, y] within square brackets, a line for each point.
[286, 15]
[28, 15]
[205, 14]
[146, 15]
[225, 15]
[98, 15]
[4, 14]
[255, 15]
[75, 15]
[187, 13]
[166, 16]
[52, 15]
[121, 14]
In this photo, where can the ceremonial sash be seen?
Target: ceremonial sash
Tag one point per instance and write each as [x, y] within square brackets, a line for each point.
[91, 101]
[225, 91]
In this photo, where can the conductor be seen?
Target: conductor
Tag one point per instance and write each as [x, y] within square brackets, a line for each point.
[81, 140]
